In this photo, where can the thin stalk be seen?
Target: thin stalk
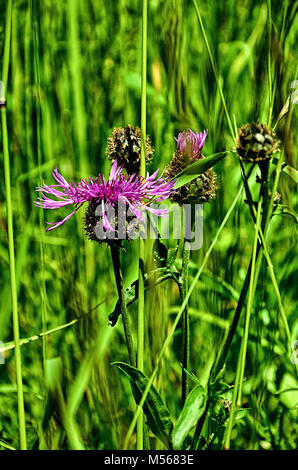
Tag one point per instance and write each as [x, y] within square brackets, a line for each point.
[6, 446]
[79, 113]
[6, 52]
[267, 206]
[214, 70]
[226, 347]
[196, 438]
[39, 161]
[227, 344]
[249, 303]
[237, 396]
[247, 189]
[11, 345]
[72, 9]
[276, 289]
[14, 297]
[250, 285]
[141, 298]
[185, 322]
[267, 212]
[77, 390]
[70, 426]
[178, 317]
[28, 97]
[274, 189]
[262, 236]
[222, 356]
[115, 251]
[234, 400]
[269, 62]
[264, 168]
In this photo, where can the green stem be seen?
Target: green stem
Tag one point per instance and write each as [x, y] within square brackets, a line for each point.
[250, 285]
[274, 189]
[43, 290]
[247, 189]
[214, 70]
[196, 438]
[276, 289]
[269, 62]
[264, 168]
[227, 344]
[141, 298]
[249, 302]
[14, 297]
[178, 317]
[185, 321]
[251, 277]
[115, 251]
[267, 211]
[15, 315]
[234, 400]
[223, 353]
[72, 11]
[267, 207]
[237, 395]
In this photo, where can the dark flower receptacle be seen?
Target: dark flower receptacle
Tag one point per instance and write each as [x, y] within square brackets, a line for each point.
[124, 145]
[125, 226]
[256, 142]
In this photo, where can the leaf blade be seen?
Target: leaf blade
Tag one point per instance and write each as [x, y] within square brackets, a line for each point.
[157, 414]
[192, 410]
[196, 169]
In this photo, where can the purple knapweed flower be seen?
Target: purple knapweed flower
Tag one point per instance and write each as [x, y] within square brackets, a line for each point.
[189, 150]
[191, 143]
[134, 191]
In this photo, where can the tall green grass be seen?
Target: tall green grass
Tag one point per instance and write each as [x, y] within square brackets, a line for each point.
[75, 72]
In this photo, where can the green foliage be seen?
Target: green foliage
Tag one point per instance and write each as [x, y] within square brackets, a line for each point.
[157, 414]
[195, 169]
[190, 414]
[74, 75]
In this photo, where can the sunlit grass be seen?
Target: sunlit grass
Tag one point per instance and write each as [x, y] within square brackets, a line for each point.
[74, 74]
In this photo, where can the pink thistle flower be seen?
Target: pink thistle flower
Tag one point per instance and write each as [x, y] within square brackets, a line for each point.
[134, 191]
[191, 143]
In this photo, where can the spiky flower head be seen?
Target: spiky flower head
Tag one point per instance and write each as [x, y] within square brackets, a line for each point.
[256, 142]
[124, 145]
[132, 193]
[190, 144]
[189, 150]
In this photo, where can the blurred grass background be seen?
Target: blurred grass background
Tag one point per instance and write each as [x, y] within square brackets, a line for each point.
[74, 75]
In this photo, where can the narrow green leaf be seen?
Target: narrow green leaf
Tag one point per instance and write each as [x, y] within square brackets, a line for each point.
[292, 172]
[195, 169]
[289, 170]
[157, 414]
[53, 373]
[53, 379]
[283, 112]
[193, 409]
[5, 445]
